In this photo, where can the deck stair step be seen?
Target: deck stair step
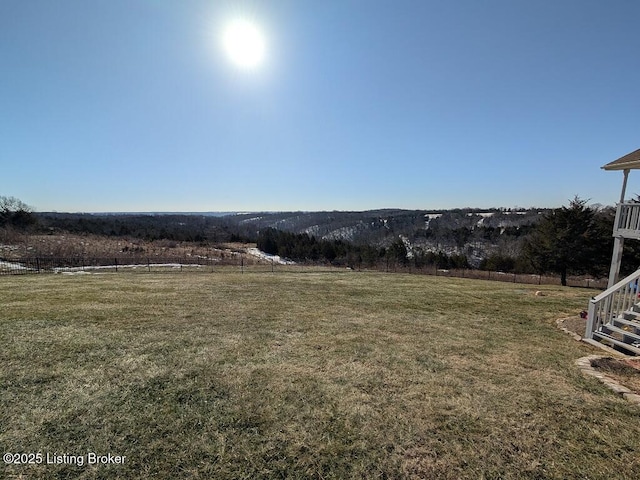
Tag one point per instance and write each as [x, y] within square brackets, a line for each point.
[613, 318]
[627, 336]
[608, 339]
[632, 315]
[626, 324]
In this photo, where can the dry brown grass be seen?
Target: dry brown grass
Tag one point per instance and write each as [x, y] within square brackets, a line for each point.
[326, 375]
[16, 246]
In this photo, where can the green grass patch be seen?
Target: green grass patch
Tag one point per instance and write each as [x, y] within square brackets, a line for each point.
[325, 375]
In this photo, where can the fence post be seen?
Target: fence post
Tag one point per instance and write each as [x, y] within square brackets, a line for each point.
[241, 264]
[116, 264]
[148, 265]
[272, 263]
[37, 264]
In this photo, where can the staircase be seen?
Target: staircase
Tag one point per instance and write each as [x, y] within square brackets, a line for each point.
[613, 318]
[622, 333]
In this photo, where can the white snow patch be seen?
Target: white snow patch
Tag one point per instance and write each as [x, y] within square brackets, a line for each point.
[266, 256]
[407, 246]
[430, 216]
[342, 233]
[249, 220]
[73, 270]
[12, 266]
[313, 231]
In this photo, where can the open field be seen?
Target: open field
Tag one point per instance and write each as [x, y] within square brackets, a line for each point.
[315, 375]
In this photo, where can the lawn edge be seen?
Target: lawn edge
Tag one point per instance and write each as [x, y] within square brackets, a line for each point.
[584, 364]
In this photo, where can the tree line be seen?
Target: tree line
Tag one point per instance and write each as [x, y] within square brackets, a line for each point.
[304, 247]
[178, 227]
[570, 240]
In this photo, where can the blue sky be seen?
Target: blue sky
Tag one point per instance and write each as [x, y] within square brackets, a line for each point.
[132, 105]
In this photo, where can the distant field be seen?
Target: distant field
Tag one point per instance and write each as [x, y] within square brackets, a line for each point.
[313, 375]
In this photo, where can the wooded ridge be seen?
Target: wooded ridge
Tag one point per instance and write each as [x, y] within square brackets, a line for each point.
[575, 239]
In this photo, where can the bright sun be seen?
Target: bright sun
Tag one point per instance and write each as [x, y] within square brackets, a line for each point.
[244, 44]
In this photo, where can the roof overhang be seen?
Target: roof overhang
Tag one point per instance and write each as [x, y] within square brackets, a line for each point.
[631, 161]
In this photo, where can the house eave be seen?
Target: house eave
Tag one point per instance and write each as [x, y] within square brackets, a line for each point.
[631, 161]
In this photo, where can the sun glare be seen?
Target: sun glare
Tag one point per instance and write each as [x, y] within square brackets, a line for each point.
[244, 43]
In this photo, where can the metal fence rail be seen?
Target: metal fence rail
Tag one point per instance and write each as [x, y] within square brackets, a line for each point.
[248, 263]
[35, 265]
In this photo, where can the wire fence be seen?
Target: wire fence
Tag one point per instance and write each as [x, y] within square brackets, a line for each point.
[73, 265]
[250, 264]
[526, 278]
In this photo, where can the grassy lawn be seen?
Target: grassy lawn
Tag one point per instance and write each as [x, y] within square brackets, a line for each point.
[327, 375]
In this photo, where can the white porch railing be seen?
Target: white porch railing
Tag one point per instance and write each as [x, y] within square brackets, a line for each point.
[612, 302]
[627, 223]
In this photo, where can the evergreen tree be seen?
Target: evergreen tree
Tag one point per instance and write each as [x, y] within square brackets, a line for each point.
[564, 241]
[397, 252]
[498, 263]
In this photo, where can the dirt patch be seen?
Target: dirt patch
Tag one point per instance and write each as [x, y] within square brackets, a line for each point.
[575, 324]
[624, 371]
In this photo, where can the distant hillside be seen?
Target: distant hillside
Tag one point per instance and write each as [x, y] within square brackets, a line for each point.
[471, 232]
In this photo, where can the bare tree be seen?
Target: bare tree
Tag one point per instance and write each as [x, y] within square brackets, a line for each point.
[15, 213]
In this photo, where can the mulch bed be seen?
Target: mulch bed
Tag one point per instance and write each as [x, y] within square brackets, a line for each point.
[575, 324]
[625, 371]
